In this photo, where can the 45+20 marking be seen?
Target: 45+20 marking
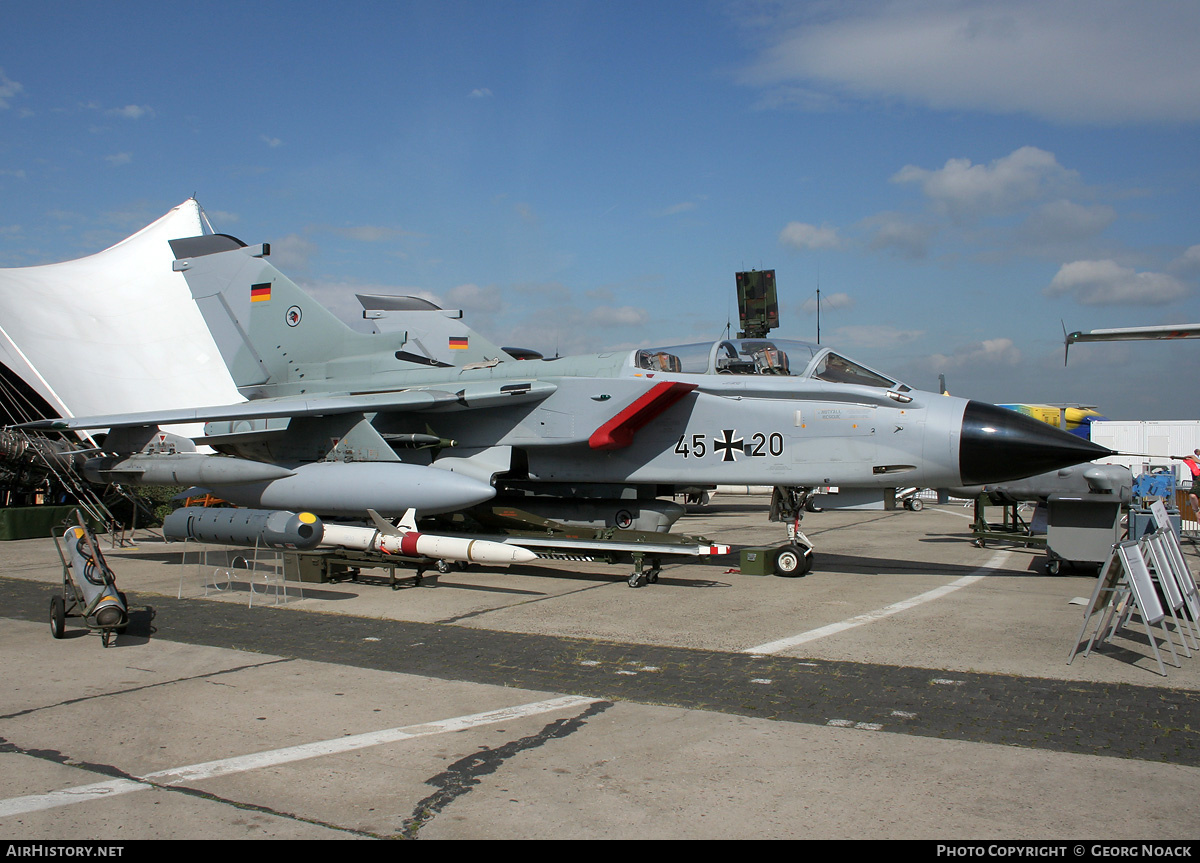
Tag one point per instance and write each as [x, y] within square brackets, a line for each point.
[729, 444]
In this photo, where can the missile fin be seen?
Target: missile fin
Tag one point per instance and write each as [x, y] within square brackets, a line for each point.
[384, 526]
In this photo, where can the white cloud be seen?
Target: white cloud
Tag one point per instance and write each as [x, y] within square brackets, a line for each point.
[291, 253]
[872, 335]
[473, 298]
[799, 235]
[899, 235]
[961, 189]
[676, 209]
[1188, 262]
[1100, 283]
[542, 291]
[617, 316]
[372, 233]
[480, 93]
[829, 303]
[131, 112]
[117, 159]
[1103, 61]
[270, 142]
[525, 213]
[221, 217]
[988, 353]
[8, 89]
[1065, 221]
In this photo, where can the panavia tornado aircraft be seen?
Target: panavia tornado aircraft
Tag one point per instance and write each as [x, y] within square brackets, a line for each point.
[427, 414]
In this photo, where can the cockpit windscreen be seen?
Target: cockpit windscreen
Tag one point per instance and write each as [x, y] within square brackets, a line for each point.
[760, 357]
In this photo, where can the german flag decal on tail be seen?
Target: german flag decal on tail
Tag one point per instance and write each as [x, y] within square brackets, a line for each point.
[259, 293]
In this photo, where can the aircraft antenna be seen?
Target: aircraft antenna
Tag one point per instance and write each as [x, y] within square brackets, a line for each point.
[818, 304]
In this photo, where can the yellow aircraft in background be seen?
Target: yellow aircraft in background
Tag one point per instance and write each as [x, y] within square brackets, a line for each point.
[1075, 419]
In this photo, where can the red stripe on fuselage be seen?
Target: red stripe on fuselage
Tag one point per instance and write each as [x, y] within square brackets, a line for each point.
[618, 432]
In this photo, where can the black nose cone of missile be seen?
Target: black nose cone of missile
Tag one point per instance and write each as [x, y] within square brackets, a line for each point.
[999, 444]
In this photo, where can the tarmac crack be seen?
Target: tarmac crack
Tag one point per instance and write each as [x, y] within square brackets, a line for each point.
[55, 756]
[267, 810]
[143, 687]
[464, 774]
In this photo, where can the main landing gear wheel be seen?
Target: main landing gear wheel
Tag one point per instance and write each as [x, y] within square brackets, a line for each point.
[915, 504]
[58, 616]
[792, 562]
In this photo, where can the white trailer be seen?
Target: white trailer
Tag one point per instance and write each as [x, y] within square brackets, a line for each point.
[1156, 440]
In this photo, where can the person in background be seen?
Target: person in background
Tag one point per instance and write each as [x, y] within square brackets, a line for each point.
[1193, 464]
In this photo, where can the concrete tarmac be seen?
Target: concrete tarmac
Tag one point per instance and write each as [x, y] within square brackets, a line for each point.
[912, 686]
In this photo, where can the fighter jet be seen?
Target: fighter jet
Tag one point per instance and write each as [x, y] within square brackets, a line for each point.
[428, 414]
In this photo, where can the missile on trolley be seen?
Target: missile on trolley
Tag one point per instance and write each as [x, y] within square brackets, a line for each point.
[305, 531]
[99, 601]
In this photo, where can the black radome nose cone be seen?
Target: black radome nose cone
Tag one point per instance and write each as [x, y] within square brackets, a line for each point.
[999, 444]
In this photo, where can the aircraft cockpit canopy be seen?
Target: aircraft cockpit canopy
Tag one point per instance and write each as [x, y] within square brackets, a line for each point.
[762, 357]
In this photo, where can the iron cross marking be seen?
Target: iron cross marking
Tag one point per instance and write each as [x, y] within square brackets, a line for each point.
[728, 446]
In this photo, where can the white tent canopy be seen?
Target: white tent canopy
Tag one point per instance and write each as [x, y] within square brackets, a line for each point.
[115, 332]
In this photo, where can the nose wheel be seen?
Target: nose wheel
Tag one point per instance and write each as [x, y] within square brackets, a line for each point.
[788, 505]
[793, 561]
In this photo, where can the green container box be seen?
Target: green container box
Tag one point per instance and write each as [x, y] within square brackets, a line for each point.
[758, 560]
[37, 522]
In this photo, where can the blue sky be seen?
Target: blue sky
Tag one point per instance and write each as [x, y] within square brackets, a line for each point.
[957, 177]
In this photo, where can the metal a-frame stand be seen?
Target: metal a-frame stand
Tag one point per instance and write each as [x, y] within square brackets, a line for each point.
[1139, 576]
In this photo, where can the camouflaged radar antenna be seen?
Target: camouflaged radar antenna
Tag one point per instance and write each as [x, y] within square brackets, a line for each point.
[758, 307]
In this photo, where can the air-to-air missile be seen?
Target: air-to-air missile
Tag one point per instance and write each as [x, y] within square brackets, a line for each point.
[404, 539]
[304, 531]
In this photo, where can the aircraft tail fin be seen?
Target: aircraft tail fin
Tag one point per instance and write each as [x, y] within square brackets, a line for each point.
[275, 338]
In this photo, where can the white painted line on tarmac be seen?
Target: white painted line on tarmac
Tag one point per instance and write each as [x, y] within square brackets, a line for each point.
[996, 561]
[257, 760]
[966, 515]
[68, 796]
